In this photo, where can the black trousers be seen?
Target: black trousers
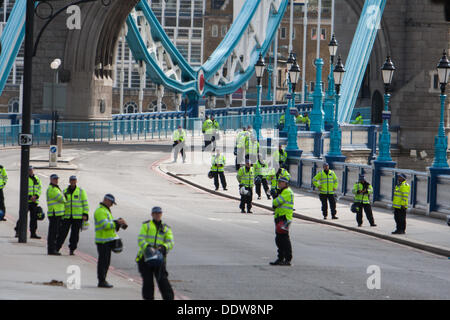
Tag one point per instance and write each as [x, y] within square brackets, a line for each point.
[223, 181]
[368, 211]
[258, 186]
[161, 275]
[32, 208]
[178, 147]
[74, 225]
[2, 201]
[400, 219]
[247, 200]
[53, 230]
[104, 259]
[325, 198]
[283, 243]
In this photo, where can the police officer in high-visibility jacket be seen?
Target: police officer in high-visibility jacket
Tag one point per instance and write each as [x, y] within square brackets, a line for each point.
[358, 119]
[157, 235]
[56, 209]
[400, 204]
[179, 138]
[362, 191]
[261, 173]
[251, 148]
[273, 176]
[76, 211]
[3, 181]
[246, 177]
[218, 169]
[280, 157]
[208, 131]
[239, 148]
[105, 236]
[327, 183]
[284, 207]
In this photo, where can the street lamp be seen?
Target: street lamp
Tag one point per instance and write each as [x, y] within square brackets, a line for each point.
[292, 146]
[259, 70]
[440, 141]
[334, 153]
[387, 72]
[290, 61]
[330, 99]
[54, 66]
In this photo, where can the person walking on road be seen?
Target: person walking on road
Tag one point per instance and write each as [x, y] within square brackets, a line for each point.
[327, 183]
[155, 235]
[56, 208]
[261, 173]
[3, 181]
[400, 204]
[284, 207]
[179, 138]
[105, 237]
[362, 191]
[218, 169]
[246, 177]
[76, 211]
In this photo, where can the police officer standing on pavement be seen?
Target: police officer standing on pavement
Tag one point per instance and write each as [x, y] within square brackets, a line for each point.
[246, 177]
[207, 130]
[3, 181]
[284, 207]
[105, 237]
[273, 176]
[56, 208]
[261, 172]
[179, 138]
[400, 203]
[155, 235]
[76, 211]
[327, 183]
[280, 157]
[218, 169]
[362, 191]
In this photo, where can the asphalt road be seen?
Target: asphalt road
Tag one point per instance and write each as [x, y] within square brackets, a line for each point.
[220, 253]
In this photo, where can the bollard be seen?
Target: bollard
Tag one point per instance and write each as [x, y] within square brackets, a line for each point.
[59, 144]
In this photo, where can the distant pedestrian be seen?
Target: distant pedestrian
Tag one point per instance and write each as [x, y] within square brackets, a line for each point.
[56, 208]
[105, 237]
[3, 181]
[327, 183]
[179, 140]
[76, 211]
[218, 169]
[362, 191]
[246, 177]
[283, 205]
[400, 203]
[155, 240]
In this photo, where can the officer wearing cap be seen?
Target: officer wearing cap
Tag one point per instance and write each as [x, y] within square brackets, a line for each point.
[284, 207]
[157, 235]
[246, 178]
[362, 191]
[76, 211]
[327, 183]
[55, 203]
[400, 203]
[105, 236]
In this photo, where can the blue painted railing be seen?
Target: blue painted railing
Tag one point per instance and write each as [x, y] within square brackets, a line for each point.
[424, 197]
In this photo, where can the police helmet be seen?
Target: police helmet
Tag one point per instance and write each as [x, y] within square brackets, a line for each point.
[40, 214]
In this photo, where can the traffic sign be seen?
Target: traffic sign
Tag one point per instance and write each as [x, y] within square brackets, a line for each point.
[53, 149]
[25, 139]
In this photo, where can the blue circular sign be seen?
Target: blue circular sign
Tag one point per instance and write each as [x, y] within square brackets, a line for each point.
[53, 149]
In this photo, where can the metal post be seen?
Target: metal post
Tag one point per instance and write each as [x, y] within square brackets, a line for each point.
[305, 28]
[317, 115]
[440, 141]
[257, 122]
[292, 145]
[330, 98]
[385, 137]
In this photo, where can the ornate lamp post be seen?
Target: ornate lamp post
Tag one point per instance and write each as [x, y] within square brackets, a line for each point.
[259, 70]
[387, 71]
[329, 100]
[292, 146]
[335, 154]
[290, 61]
[440, 141]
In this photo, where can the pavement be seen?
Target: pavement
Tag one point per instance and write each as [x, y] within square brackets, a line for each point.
[33, 275]
[422, 232]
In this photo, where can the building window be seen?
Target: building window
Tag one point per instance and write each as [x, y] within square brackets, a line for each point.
[283, 33]
[13, 105]
[152, 107]
[434, 82]
[312, 86]
[130, 107]
[214, 31]
[323, 35]
[223, 30]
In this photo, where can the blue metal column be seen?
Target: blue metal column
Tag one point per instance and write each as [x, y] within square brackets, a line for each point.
[317, 115]
[257, 121]
[334, 153]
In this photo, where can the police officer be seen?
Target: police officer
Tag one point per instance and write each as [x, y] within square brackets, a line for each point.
[358, 119]
[56, 208]
[280, 156]
[3, 181]
[246, 177]
[284, 206]
[34, 192]
[327, 183]
[273, 176]
[158, 235]
[179, 138]
[105, 236]
[306, 121]
[362, 191]
[76, 211]
[215, 132]
[251, 148]
[400, 203]
[218, 168]
[261, 172]
[208, 131]
[239, 150]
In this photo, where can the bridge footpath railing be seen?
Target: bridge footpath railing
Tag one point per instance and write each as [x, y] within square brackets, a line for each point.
[303, 171]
